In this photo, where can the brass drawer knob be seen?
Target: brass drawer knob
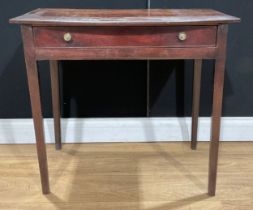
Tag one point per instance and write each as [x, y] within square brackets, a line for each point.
[67, 37]
[182, 36]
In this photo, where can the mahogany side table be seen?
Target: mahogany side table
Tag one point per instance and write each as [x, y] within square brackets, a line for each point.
[79, 34]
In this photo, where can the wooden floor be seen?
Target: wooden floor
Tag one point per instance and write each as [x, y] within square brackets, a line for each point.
[123, 176]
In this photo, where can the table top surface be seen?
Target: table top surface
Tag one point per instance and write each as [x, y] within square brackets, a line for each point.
[131, 17]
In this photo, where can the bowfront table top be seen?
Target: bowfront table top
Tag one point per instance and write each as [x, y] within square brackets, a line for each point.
[80, 34]
[131, 17]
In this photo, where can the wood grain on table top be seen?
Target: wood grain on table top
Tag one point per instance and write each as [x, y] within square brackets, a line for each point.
[134, 17]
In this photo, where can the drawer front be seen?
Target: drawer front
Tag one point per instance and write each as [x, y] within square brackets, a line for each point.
[82, 37]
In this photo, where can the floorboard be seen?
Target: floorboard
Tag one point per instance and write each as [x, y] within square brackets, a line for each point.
[138, 176]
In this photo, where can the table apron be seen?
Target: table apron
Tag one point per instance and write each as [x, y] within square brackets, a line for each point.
[125, 53]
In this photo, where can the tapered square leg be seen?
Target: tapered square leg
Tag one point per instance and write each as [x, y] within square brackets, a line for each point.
[195, 102]
[215, 130]
[54, 72]
[34, 90]
[217, 107]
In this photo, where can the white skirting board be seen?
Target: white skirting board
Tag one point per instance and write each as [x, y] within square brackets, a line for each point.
[86, 130]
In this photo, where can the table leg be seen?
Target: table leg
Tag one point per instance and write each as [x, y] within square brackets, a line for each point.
[195, 102]
[54, 71]
[217, 107]
[34, 90]
[215, 130]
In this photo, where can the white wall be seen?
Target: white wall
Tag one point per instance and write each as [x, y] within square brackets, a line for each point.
[14, 131]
